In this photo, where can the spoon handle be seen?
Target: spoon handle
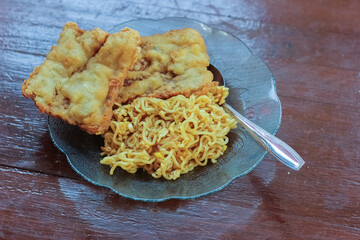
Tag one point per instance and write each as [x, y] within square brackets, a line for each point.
[283, 152]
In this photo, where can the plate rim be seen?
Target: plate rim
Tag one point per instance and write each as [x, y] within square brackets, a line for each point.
[273, 82]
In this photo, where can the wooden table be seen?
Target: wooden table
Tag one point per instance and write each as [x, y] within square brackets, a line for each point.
[313, 49]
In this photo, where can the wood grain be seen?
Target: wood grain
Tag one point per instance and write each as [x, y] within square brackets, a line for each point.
[38, 205]
[312, 48]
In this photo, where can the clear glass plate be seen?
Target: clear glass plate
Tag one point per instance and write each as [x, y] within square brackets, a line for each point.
[252, 93]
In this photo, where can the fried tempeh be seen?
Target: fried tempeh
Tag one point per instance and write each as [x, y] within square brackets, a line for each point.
[169, 64]
[81, 76]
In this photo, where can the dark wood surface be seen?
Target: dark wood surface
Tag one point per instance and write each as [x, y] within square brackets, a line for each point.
[313, 50]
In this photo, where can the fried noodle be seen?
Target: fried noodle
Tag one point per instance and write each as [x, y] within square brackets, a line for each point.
[169, 137]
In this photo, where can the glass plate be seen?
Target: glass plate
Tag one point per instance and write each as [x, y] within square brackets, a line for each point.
[252, 93]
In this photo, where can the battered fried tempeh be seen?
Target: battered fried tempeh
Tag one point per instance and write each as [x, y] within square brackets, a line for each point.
[169, 64]
[81, 76]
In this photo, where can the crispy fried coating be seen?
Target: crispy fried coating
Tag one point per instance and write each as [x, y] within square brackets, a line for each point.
[169, 64]
[81, 76]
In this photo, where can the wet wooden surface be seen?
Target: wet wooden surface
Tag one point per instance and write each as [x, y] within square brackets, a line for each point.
[313, 50]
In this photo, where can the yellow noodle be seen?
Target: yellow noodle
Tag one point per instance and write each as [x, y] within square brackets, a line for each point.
[170, 137]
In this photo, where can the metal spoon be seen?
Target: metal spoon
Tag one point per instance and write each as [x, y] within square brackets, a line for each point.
[283, 152]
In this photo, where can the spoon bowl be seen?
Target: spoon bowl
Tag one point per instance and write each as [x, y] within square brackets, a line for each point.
[283, 152]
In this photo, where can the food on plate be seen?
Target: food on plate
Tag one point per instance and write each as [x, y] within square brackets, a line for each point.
[168, 137]
[152, 98]
[81, 76]
[169, 64]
